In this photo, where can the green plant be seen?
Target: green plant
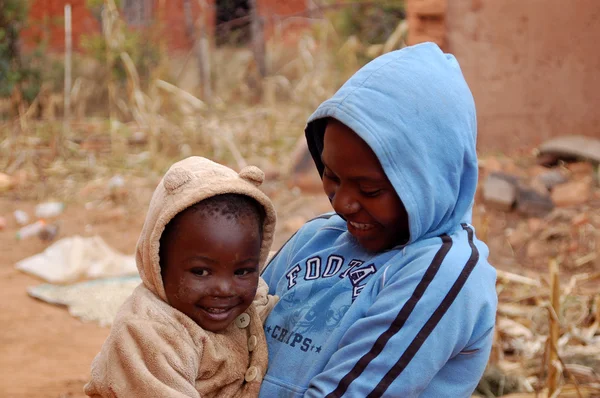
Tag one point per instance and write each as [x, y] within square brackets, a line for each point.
[143, 51]
[372, 23]
[142, 45]
[15, 69]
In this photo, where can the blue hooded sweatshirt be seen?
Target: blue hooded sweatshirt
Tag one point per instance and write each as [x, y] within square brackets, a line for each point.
[413, 321]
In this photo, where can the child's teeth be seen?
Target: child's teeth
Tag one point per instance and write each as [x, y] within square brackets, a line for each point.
[360, 225]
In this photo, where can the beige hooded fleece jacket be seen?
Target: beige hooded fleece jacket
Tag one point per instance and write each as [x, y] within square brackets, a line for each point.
[154, 350]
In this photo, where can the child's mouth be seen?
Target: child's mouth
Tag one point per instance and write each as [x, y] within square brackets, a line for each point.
[361, 231]
[217, 314]
[216, 310]
[360, 226]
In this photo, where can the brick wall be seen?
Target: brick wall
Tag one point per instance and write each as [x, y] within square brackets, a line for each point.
[279, 16]
[174, 23]
[46, 21]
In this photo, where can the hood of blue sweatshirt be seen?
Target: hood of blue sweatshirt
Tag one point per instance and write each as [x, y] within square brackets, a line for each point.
[414, 109]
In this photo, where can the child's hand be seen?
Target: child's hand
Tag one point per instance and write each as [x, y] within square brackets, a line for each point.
[263, 301]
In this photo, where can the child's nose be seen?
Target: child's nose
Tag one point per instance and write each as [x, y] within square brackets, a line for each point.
[223, 287]
[344, 203]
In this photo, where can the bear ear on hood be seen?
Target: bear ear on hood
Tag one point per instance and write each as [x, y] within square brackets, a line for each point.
[175, 178]
[253, 175]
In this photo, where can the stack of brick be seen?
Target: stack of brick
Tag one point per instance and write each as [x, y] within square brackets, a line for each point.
[427, 21]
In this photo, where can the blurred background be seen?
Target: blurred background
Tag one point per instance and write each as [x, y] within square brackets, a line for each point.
[99, 97]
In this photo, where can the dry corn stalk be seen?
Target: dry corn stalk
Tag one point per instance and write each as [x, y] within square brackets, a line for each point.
[512, 277]
[553, 374]
[144, 108]
[113, 36]
[396, 39]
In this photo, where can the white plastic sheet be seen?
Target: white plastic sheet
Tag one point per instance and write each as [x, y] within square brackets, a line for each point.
[77, 258]
[91, 301]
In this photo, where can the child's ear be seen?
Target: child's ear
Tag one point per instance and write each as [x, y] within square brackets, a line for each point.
[253, 175]
[176, 178]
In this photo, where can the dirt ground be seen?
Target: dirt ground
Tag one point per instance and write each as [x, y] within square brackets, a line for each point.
[47, 353]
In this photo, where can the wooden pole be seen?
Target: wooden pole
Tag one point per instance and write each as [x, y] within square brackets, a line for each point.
[161, 22]
[203, 52]
[68, 77]
[189, 24]
[108, 19]
[258, 40]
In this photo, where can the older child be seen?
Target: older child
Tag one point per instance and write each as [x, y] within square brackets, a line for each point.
[194, 327]
[392, 295]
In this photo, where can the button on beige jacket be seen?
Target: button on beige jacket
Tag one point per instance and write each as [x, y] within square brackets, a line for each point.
[155, 350]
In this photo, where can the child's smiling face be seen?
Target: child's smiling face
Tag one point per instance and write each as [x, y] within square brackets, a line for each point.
[360, 191]
[210, 266]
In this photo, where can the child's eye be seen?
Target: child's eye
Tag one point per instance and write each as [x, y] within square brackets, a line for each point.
[330, 176]
[370, 193]
[244, 271]
[200, 272]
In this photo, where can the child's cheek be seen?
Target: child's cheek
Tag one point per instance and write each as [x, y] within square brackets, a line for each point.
[248, 290]
[188, 289]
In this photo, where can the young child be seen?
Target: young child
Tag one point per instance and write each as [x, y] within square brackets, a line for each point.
[193, 328]
[392, 295]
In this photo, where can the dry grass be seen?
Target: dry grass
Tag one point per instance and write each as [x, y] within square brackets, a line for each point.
[547, 336]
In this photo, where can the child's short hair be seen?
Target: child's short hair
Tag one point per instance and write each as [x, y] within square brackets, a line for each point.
[230, 205]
